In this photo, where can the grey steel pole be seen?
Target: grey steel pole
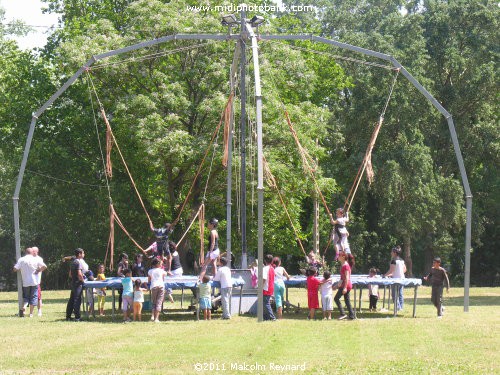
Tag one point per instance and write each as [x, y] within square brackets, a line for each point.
[243, 120]
[22, 168]
[260, 169]
[232, 81]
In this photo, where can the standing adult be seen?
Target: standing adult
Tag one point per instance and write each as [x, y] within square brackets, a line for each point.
[397, 270]
[29, 267]
[268, 288]
[77, 279]
[38, 259]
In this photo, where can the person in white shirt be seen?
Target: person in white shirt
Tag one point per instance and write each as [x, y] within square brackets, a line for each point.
[397, 270]
[39, 274]
[156, 277]
[223, 275]
[30, 267]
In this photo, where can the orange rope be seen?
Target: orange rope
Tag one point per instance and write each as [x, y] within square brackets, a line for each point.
[119, 222]
[367, 160]
[227, 129]
[109, 147]
[271, 180]
[190, 225]
[365, 165]
[306, 161]
[203, 161]
[125, 165]
[111, 239]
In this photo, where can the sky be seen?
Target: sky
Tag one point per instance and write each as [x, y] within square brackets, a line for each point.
[30, 11]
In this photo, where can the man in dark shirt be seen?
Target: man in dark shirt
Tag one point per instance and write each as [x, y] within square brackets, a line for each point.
[437, 277]
[75, 299]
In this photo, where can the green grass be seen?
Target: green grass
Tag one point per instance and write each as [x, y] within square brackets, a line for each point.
[460, 343]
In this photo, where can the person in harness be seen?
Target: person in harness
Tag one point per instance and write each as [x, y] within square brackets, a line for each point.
[162, 247]
[340, 232]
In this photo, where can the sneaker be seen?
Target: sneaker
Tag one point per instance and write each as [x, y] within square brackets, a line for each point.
[39, 313]
[440, 317]
[31, 315]
[157, 321]
[342, 317]
[152, 318]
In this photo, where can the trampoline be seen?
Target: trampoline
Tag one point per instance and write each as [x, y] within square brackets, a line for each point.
[360, 281]
[172, 282]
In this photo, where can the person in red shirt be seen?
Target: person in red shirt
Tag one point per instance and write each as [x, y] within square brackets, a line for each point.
[312, 291]
[345, 285]
[268, 289]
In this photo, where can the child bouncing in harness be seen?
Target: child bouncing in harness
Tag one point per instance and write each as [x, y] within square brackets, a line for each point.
[340, 232]
[161, 235]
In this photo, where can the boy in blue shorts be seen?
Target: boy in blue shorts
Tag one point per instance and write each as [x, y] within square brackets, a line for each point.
[205, 297]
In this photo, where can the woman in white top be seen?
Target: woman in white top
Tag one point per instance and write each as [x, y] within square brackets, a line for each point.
[397, 270]
[156, 277]
[279, 285]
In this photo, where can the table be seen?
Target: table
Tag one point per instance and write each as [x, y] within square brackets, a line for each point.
[359, 281]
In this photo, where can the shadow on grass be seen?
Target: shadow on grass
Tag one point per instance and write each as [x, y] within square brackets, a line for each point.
[459, 301]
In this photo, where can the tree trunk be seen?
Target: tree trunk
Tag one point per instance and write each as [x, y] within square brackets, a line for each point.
[429, 254]
[407, 256]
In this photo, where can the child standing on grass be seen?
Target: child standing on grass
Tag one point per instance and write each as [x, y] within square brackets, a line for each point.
[327, 295]
[157, 286]
[437, 277]
[205, 297]
[138, 299]
[345, 285]
[312, 292]
[373, 290]
[101, 292]
[127, 295]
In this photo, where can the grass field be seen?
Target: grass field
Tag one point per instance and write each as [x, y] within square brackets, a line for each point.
[375, 343]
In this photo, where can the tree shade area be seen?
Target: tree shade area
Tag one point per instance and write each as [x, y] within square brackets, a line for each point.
[165, 101]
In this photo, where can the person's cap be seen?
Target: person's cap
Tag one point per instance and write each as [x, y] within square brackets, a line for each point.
[437, 259]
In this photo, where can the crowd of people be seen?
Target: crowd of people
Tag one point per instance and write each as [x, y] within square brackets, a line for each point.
[165, 261]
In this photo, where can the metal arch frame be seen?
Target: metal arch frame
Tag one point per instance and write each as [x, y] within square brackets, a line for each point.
[258, 95]
[439, 107]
